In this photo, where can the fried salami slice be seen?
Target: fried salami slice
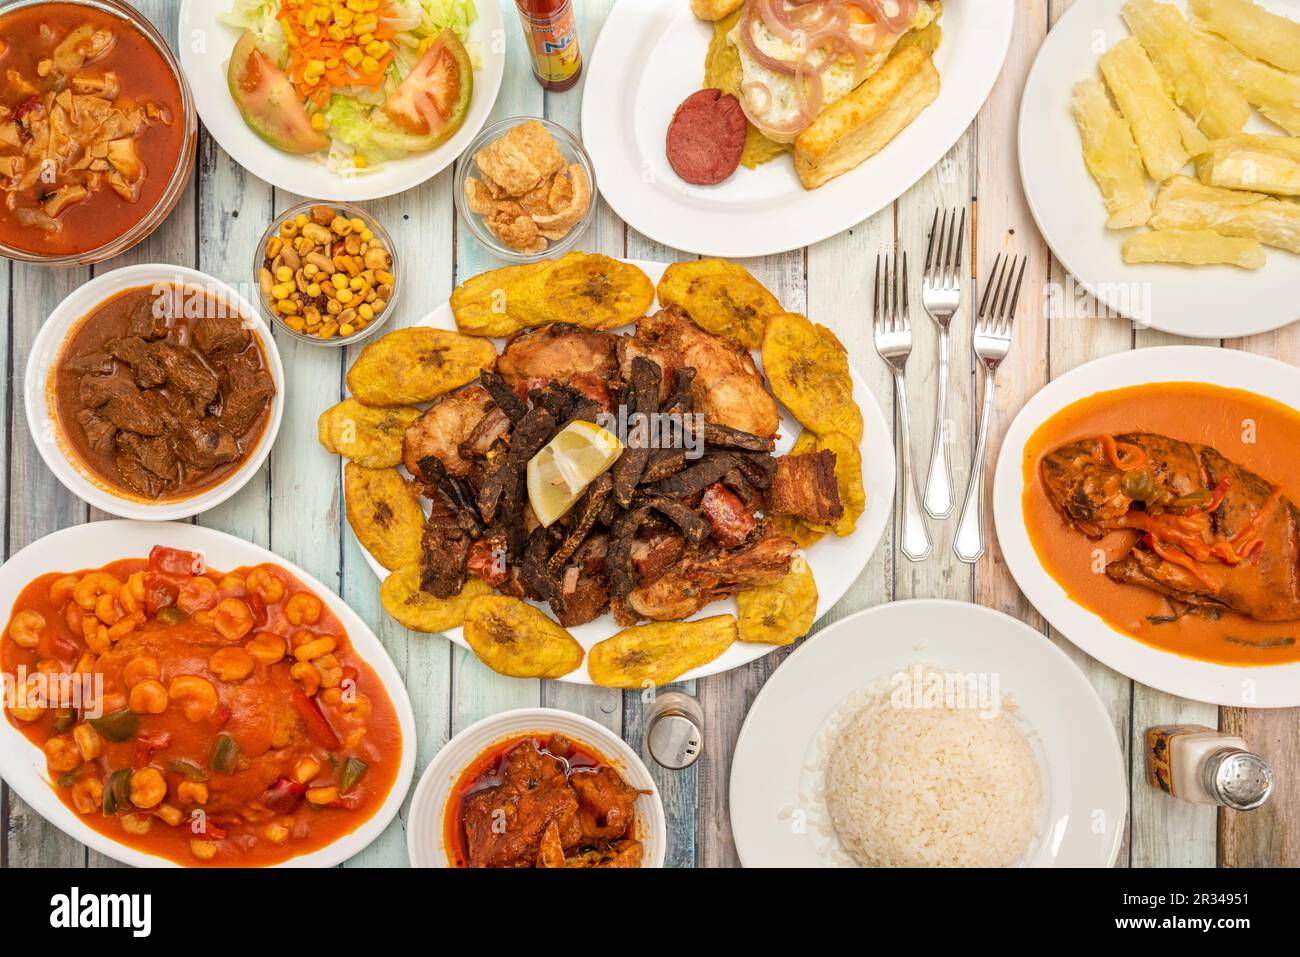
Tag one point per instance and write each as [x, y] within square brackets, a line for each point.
[706, 137]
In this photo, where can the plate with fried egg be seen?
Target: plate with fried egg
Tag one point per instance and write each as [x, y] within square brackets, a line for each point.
[746, 128]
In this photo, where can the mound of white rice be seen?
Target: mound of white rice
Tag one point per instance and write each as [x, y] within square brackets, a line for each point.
[932, 787]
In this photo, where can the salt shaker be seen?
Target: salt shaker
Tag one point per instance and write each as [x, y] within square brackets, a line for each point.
[1204, 766]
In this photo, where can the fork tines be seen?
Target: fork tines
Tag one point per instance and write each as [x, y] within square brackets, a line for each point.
[891, 303]
[943, 255]
[998, 304]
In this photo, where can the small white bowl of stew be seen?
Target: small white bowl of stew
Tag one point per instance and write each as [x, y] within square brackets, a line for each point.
[154, 392]
[567, 761]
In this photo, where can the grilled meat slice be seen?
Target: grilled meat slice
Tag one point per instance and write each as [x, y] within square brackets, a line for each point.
[698, 477]
[533, 431]
[583, 593]
[506, 400]
[588, 511]
[441, 431]
[1210, 532]
[445, 548]
[706, 574]
[721, 435]
[805, 487]
[759, 468]
[663, 463]
[727, 387]
[622, 573]
[693, 526]
[643, 401]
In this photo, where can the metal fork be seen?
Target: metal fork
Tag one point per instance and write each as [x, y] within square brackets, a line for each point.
[940, 295]
[893, 334]
[991, 341]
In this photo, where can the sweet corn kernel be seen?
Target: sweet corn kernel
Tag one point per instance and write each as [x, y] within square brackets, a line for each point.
[318, 121]
[359, 162]
[369, 65]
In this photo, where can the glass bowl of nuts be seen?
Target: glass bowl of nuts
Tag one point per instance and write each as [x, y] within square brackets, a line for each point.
[326, 273]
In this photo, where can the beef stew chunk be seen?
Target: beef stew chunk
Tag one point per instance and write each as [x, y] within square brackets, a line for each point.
[157, 403]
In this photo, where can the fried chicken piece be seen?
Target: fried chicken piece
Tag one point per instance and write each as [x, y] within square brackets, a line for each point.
[505, 825]
[805, 487]
[563, 354]
[605, 804]
[706, 574]
[619, 854]
[728, 388]
[441, 430]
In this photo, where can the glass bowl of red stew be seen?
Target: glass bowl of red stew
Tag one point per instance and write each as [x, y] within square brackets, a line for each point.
[602, 798]
[169, 711]
[94, 85]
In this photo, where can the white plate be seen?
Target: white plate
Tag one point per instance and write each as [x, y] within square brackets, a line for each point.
[835, 562]
[1203, 302]
[650, 57]
[205, 44]
[1272, 687]
[49, 342]
[775, 816]
[22, 764]
[425, 842]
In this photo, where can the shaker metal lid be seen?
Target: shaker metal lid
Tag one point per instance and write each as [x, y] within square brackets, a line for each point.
[675, 731]
[1239, 779]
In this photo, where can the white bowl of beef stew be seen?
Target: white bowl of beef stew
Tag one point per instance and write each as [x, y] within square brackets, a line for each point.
[154, 392]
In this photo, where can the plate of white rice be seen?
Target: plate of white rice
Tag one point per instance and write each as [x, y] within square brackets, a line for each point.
[928, 734]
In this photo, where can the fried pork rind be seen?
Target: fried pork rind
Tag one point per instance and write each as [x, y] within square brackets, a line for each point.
[416, 365]
[800, 531]
[486, 305]
[722, 297]
[368, 435]
[520, 159]
[848, 475]
[515, 639]
[420, 611]
[596, 292]
[780, 613]
[384, 512]
[656, 654]
[808, 369]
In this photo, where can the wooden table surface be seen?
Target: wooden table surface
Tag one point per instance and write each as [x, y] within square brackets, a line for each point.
[293, 506]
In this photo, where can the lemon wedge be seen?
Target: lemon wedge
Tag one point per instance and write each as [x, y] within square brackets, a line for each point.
[561, 472]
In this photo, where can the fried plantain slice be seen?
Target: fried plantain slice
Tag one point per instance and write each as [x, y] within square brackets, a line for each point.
[384, 512]
[487, 304]
[420, 611]
[656, 654]
[417, 365]
[368, 435]
[596, 292]
[808, 369]
[722, 297]
[513, 638]
[782, 612]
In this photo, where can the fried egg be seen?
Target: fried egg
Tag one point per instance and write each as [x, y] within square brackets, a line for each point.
[780, 105]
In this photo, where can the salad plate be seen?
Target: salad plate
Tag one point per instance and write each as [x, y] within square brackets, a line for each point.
[356, 123]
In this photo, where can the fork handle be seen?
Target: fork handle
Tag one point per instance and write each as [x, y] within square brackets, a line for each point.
[969, 543]
[914, 537]
[938, 481]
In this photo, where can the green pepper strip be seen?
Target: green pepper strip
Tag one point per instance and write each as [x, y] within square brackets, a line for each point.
[225, 754]
[117, 725]
[354, 769]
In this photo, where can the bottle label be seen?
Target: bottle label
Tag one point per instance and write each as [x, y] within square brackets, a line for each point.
[553, 42]
[1160, 771]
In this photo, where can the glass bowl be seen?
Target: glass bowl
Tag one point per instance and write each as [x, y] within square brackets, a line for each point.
[573, 151]
[351, 212]
[184, 166]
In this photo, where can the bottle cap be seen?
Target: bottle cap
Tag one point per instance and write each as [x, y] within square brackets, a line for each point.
[1238, 779]
[675, 731]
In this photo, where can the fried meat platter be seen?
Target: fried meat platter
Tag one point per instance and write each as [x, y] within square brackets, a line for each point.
[614, 458]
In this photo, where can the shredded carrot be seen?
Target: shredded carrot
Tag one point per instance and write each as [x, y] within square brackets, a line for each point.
[1137, 457]
[326, 50]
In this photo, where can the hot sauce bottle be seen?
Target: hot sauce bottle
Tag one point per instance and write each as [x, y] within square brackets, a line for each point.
[551, 32]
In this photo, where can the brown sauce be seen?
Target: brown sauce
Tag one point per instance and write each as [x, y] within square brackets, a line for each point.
[1258, 433]
[161, 392]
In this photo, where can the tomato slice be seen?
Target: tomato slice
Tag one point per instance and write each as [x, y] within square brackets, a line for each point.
[434, 97]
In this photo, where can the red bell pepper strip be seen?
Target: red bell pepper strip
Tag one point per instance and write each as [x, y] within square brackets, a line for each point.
[317, 726]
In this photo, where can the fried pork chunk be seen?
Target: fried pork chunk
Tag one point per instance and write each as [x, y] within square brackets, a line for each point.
[562, 354]
[805, 487]
[440, 431]
[706, 574]
[728, 388]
